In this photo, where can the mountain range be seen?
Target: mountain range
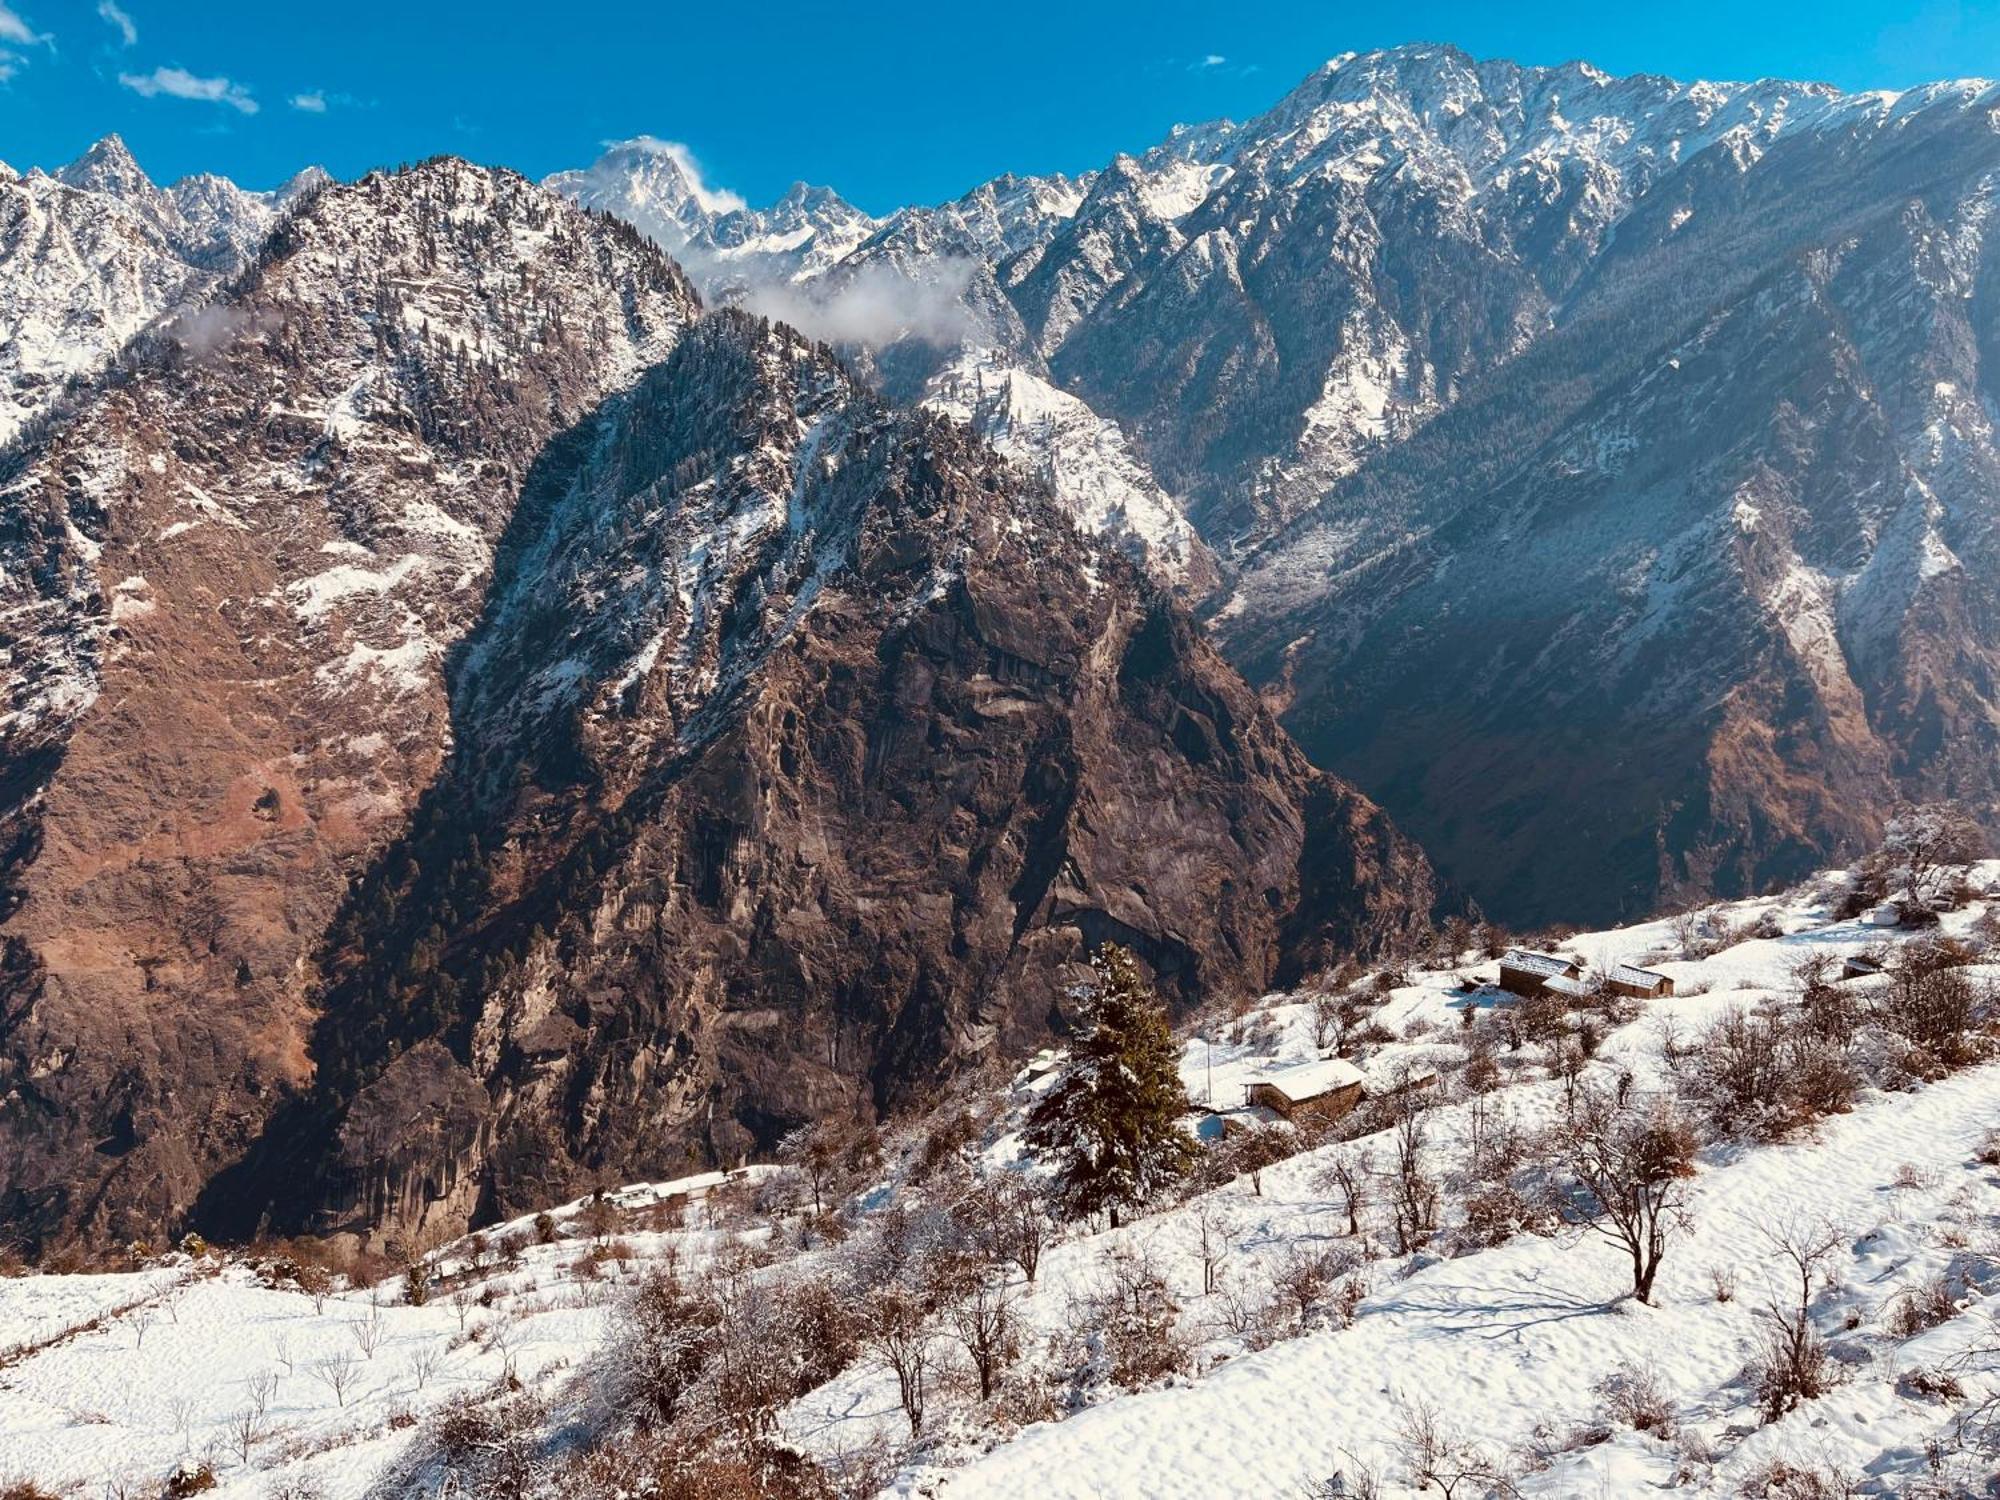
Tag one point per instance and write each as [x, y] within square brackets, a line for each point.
[510, 684]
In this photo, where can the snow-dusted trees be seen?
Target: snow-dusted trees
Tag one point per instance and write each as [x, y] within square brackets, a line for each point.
[982, 1319]
[897, 1328]
[1924, 844]
[1632, 1165]
[664, 1341]
[1112, 1123]
[816, 1152]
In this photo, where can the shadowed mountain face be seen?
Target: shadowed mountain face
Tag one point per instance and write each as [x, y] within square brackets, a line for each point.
[1687, 595]
[800, 756]
[474, 721]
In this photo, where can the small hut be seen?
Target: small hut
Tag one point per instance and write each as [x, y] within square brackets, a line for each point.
[1321, 1091]
[1640, 984]
[1525, 972]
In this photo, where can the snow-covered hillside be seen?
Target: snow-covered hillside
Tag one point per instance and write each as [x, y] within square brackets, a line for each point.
[95, 252]
[1260, 1344]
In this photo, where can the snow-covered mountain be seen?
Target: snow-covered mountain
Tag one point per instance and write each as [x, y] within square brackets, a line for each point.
[95, 253]
[723, 243]
[1653, 415]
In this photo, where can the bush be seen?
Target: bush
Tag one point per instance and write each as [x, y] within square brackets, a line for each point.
[545, 1229]
[191, 1478]
[1923, 1306]
[1794, 1366]
[1633, 1397]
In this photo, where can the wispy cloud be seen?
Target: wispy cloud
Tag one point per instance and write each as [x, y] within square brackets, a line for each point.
[114, 16]
[179, 83]
[313, 103]
[13, 28]
[1213, 60]
[15, 32]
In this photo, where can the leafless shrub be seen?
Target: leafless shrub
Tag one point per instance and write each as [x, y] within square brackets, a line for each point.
[1437, 1455]
[1784, 1479]
[1302, 1277]
[1128, 1324]
[1635, 1398]
[1923, 1306]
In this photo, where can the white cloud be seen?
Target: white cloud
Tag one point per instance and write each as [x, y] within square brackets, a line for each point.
[10, 64]
[114, 16]
[877, 304]
[14, 29]
[313, 103]
[712, 199]
[1213, 60]
[178, 83]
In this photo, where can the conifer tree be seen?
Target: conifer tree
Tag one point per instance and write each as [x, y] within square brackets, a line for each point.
[1113, 1121]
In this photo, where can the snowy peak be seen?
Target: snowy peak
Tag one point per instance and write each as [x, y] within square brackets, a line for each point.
[657, 187]
[109, 167]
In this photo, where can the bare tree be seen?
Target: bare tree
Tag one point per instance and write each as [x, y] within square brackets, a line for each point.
[898, 1331]
[1349, 1175]
[244, 1431]
[1633, 1166]
[1214, 1240]
[262, 1388]
[1441, 1458]
[1027, 1227]
[368, 1331]
[817, 1151]
[1794, 1365]
[336, 1372]
[1413, 1194]
[983, 1321]
[423, 1365]
[1923, 843]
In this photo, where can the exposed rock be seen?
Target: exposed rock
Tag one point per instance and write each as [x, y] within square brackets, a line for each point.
[801, 755]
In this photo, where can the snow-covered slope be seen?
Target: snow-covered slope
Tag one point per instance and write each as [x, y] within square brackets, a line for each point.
[1513, 1336]
[1084, 458]
[91, 255]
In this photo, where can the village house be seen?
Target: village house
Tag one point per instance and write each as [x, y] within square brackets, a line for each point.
[1639, 984]
[1525, 972]
[1321, 1091]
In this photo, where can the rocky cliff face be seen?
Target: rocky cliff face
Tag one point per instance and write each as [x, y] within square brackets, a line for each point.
[803, 750]
[472, 722]
[230, 578]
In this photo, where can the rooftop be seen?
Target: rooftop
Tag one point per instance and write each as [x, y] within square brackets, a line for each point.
[1308, 1080]
[1531, 962]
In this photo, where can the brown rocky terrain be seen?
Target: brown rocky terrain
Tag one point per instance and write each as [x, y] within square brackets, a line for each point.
[466, 735]
[738, 836]
[229, 579]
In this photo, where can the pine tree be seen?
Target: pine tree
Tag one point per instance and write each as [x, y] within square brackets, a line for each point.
[1113, 1120]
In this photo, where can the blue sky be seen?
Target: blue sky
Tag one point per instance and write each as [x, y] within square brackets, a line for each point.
[890, 103]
